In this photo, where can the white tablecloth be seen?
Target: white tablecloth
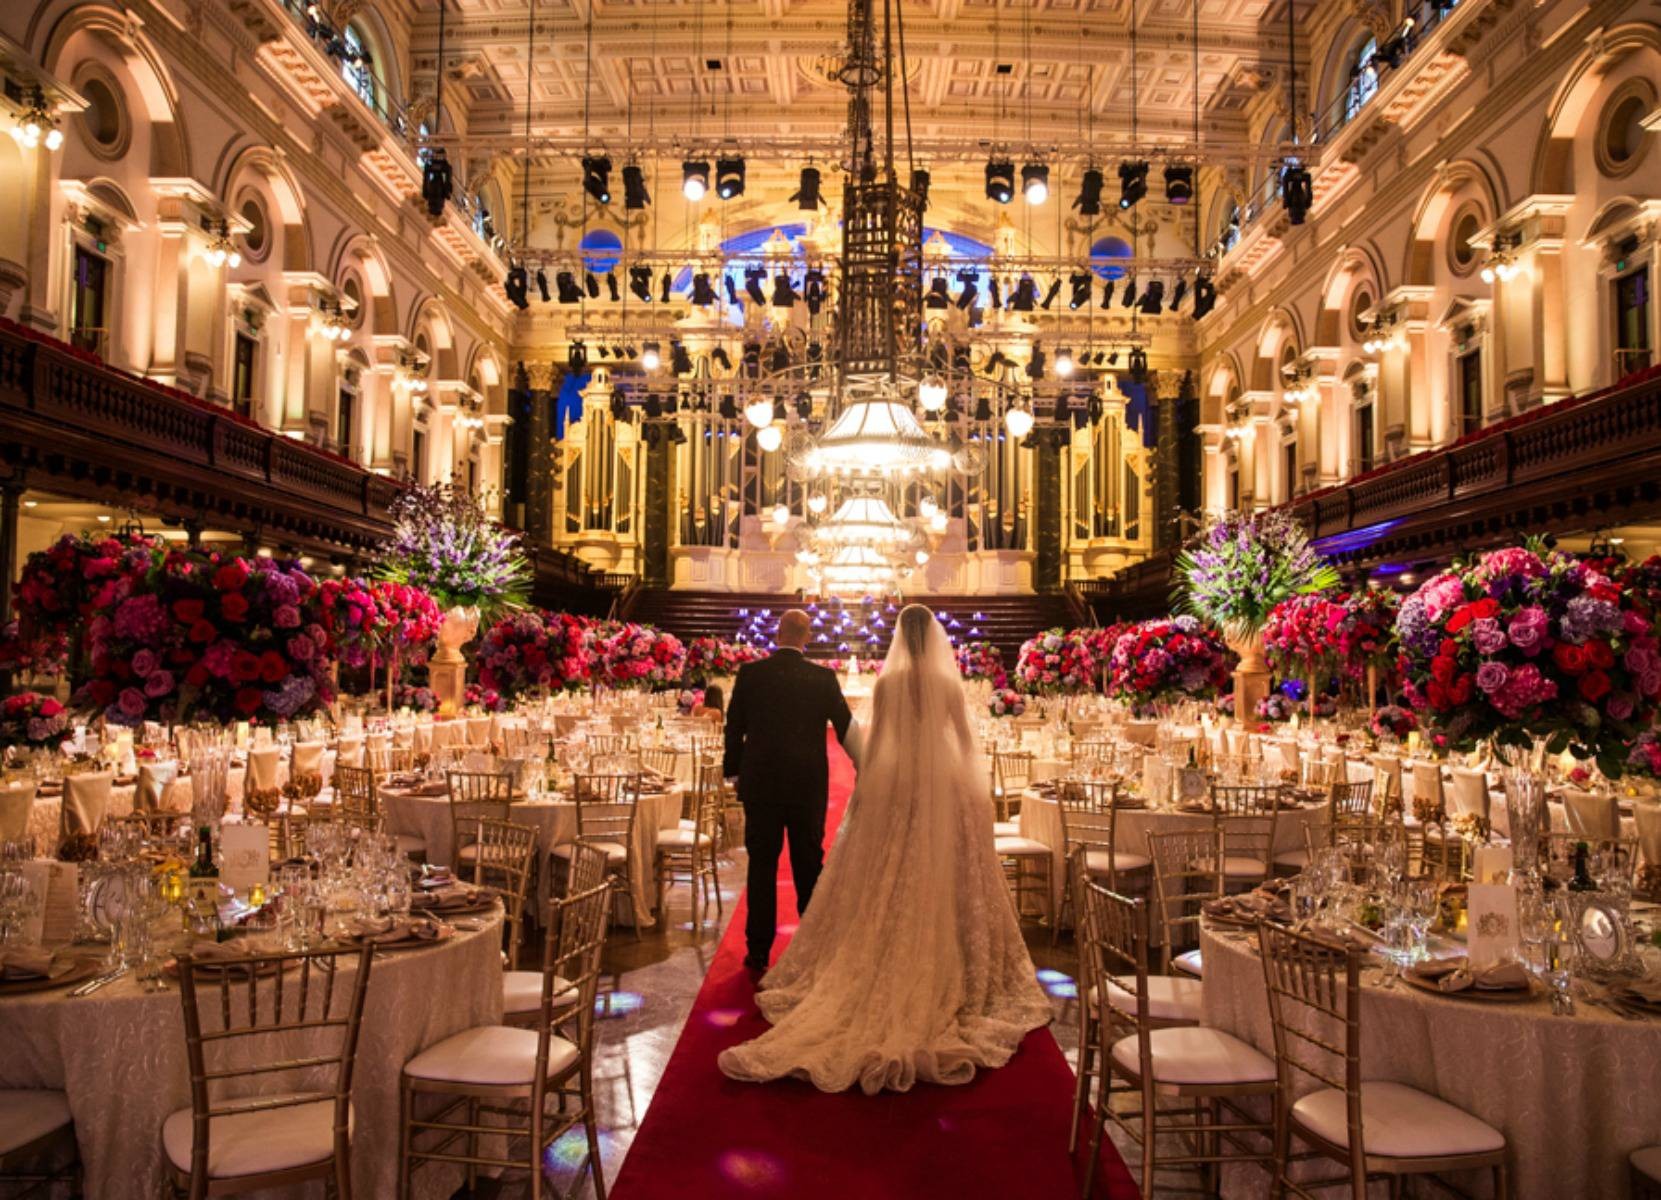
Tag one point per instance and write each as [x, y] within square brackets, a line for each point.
[119, 1054]
[428, 818]
[1573, 1095]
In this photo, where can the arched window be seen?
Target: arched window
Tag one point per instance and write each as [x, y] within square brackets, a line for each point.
[358, 66]
[1363, 78]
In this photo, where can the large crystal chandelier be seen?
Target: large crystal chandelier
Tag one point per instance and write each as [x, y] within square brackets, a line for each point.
[864, 521]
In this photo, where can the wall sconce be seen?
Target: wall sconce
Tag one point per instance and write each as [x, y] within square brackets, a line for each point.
[1385, 334]
[1502, 265]
[36, 125]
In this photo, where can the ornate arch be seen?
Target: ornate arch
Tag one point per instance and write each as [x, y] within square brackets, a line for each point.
[1435, 208]
[1353, 266]
[239, 166]
[1552, 172]
[430, 316]
[1279, 328]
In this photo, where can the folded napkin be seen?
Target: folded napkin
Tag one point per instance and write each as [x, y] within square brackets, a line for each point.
[32, 962]
[384, 932]
[1645, 992]
[1455, 975]
[1249, 907]
[16, 799]
[86, 800]
[448, 899]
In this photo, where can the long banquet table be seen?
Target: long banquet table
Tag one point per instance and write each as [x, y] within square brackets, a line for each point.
[1573, 1095]
[120, 1056]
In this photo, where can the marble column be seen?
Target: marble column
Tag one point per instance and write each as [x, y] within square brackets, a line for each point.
[543, 381]
[1048, 441]
[660, 496]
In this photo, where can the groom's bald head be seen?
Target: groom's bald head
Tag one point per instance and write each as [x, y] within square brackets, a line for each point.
[793, 629]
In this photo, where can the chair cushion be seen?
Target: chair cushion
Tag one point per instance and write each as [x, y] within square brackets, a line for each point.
[1398, 1121]
[1096, 861]
[1170, 997]
[681, 839]
[1194, 1054]
[1005, 829]
[257, 1141]
[1238, 865]
[1187, 963]
[1295, 859]
[489, 1055]
[29, 1114]
[615, 851]
[409, 844]
[688, 823]
[522, 991]
[1016, 844]
[1647, 1162]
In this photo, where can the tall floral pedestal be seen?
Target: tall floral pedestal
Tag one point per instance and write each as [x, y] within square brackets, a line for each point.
[447, 672]
[1251, 677]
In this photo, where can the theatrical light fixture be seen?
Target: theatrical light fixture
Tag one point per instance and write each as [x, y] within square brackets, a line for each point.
[436, 184]
[1000, 180]
[1035, 182]
[649, 357]
[784, 292]
[770, 439]
[635, 195]
[1050, 295]
[1297, 191]
[781, 514]
[1026, 295]
[1129, 298]
[1153, 298]
[1089, 201]
[1133, 183]
[1178, 292]
[780, 361]
[1138, 364]
[927, 507]
[576, 357]
[729, 178]
[542, 284]
[1079, 283]
[1018, 421]
[694, 179]
[1064, 363]
[591, 285]
[939, 294]
[679, 360]
[806, 196]
[759, 412]
[640, 283]
[703, 293]
[1205, 296]
[932, 394]
[920, 184]
[1179, 184]
[517, 286]
[565, 284]
[597, 178]
[753, 279]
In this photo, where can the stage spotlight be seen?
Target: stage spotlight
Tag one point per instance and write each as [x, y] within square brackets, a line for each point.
[970, 293]
[729, 178]
[1178, 292]
[806, 195]
[920, 182]
[1107, 293]
[753, 278]
[597, 178]
[679, 360]
[939, 294]
[619, 407]
[436, 185]
[1026, 295]
[1035, 364]
[640, 283]
[781, 357]
[703, 293]
[1133, 183]
[666, 288]
[576, 358]
[635, 195]
[1130, 293]
[1205, 296]
[1297, 189]
[592, 285]
[993, 291]
[1153, 299]
[1000, 180]
[1079, 283]
[565, 284]
[677, 435]
[813, 290]
[611, 287]
[728, 407]
[1138, 364]
[517, 286]
[652, 406]
[649, 357]
[542, 284]
[721, 357]
[694, 180]
[784, 292]
[1064, 363]
[1035, 182]
[1089, 201]
[1179, 184]
[983, 408]
[1050, 295]
[1018, 421]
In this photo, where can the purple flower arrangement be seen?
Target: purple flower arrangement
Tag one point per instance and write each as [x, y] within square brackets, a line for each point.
[1243, 565]
[444, 544]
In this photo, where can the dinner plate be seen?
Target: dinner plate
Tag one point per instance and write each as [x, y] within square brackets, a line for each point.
[79, 973]
[1494, 995]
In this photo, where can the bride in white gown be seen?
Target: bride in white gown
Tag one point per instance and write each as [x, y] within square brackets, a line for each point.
[909, 963]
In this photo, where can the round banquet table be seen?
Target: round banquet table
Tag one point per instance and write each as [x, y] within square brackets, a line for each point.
[119, 1054]
[1040, 820]
[427, 816]
[1573, 1095]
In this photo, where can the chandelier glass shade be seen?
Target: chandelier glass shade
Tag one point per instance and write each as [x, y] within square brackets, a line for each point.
[876, 438]
[858, 569]
[864, 521]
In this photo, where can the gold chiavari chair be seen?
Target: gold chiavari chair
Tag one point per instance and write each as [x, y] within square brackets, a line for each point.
[1315, 1011]
[606, 808]
[510, 1073]
[522, 990]
[688, 855]
[1090, 822]
[288, 832]
[1011, 775]
[662, 762]
[505, 859]
[1093, 750]
[385, 760]
[356, 800]
[149, 826]
[1203, 1070]
[609, 743]
[237, 1015]
[1248, 816]
[475, 794]
[1187, 872]
[1349, 806]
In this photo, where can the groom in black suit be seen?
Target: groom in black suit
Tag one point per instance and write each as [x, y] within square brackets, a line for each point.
[776, 748]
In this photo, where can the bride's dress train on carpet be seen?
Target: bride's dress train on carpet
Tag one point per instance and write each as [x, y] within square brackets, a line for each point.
[909, 964]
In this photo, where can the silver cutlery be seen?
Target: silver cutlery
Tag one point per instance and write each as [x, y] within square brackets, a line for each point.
[104, 980]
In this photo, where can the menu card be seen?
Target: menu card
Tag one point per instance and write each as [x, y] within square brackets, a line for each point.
[245, 856]
[55, 885]
[1491, 935]
[1491, 864]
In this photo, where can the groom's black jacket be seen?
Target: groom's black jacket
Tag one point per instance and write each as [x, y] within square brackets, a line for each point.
[776, 730]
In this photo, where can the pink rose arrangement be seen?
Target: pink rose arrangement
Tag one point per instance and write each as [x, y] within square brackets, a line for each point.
[629, 655]
[534, 653]
[982, 660]
[32, 719]
[1006, 702]
[1057, 661]
[1304, 634]
[1368, 634]
[1529, 643]
[1392, 720]
[62, 587]
[1165, 660]
[711, 657]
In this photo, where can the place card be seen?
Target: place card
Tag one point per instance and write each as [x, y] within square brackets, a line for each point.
[1491, 934]
[56, 887]
[245, 856]
[1491, 864]
[1193, 785]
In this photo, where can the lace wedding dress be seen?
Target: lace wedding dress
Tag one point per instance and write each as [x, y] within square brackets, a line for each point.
[909, 964]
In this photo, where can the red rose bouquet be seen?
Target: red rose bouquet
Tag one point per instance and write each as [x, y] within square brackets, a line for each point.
[710, 657]
[982, 660]
[1006, 702]
[1304, 634]
[1057, 661]
[1175, 658]
[630, 655]
[533, 653]
[64, 586]
[32, 719]
[350, 614]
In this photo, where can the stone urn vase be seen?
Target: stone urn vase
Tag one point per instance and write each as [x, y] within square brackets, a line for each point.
[1251, 677]
[447, 672]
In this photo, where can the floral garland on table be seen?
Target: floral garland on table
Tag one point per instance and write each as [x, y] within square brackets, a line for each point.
[1235, 573]
[197, 636]
[445, 545]
[1173, 658]
[32, 719]
[1392, 720]
[532, 653]
[1006, 702]
[63, 586]
[1528, 643]
[1056, 662]
[710, 657]
[982, 660]
[630, 655]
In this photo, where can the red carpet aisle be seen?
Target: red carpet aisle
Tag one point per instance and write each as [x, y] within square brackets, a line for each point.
[705, 1136]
